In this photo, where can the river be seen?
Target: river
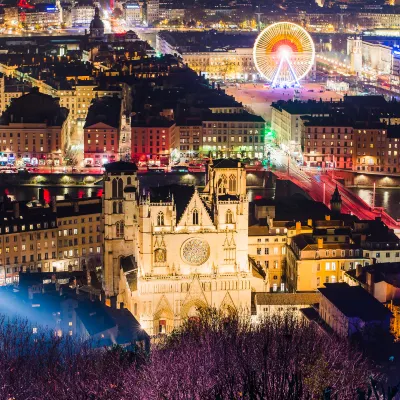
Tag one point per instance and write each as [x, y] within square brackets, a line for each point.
[26, 193]
[389, 199]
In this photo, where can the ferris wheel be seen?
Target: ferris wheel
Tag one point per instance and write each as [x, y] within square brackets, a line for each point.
[284, 53]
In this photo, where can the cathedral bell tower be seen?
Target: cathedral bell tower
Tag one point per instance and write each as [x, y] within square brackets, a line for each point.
[119, 218]
[226, 177]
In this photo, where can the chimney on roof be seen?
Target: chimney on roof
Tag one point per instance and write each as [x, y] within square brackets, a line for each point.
[320, 243]
[309, 222]
[298, 226]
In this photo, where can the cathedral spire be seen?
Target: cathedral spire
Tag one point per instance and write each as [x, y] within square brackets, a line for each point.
[336, 201]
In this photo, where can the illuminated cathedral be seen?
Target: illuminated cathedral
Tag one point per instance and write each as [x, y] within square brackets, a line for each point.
[172, 249]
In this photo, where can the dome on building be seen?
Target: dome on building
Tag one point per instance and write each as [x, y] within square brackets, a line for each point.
[96, 22]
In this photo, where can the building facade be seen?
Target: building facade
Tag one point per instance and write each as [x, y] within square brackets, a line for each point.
[186, 138]
[236, 135]
[82, 15]
[133, 14]
[313, 261]
[61, 236]
[187, 249]
[35, 130]
[150, 140]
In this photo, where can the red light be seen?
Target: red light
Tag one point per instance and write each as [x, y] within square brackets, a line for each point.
[258, 197]
[100, 193]
[46, 195]
[25, 4]
[81, 194]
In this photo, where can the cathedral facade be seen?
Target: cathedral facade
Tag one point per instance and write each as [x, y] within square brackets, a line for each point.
[172, 249]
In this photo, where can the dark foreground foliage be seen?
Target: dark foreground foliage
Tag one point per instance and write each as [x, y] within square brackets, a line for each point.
[212, 357]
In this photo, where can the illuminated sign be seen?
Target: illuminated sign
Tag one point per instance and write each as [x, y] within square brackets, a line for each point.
[132, 6]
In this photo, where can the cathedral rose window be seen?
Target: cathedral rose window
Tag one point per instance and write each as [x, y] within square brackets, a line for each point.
[195, 251]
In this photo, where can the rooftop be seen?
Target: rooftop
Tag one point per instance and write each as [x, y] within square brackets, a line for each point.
[382, 272]
[297, 107]
[354, 302]
[35, 107]
[105, 110]
[206, 41]
[239, 117]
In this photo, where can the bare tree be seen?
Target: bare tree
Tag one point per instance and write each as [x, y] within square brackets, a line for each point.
[222, 357]
[215, 356]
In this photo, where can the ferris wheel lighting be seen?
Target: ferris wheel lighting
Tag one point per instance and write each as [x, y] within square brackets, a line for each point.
[284, 54]
[284, 51]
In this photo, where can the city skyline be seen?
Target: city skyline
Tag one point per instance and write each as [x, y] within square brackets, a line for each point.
[183, 187]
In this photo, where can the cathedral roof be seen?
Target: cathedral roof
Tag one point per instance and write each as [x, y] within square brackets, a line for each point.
[226, 163]
[120, 166]
[182, 195]
[128, 263]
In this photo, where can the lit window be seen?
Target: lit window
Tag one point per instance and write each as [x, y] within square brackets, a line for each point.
[328, 266]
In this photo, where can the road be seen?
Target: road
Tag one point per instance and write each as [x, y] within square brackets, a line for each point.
[320, 187]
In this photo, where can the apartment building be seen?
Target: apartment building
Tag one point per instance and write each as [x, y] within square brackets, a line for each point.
[79, 234]
[34, 129]
[186, 137]
[82, 15]
[61, 236]
[74, 92]
[313, 261]
[382, 282]
[379, 243]
[10, 89]
[351, 310]
[43, 15]
[101, 131]
[151, 138]
[236, 135]
[267, 248]
[132, 13]
[328, 142]
[359, 146]
[152, 8]
[286, 121]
